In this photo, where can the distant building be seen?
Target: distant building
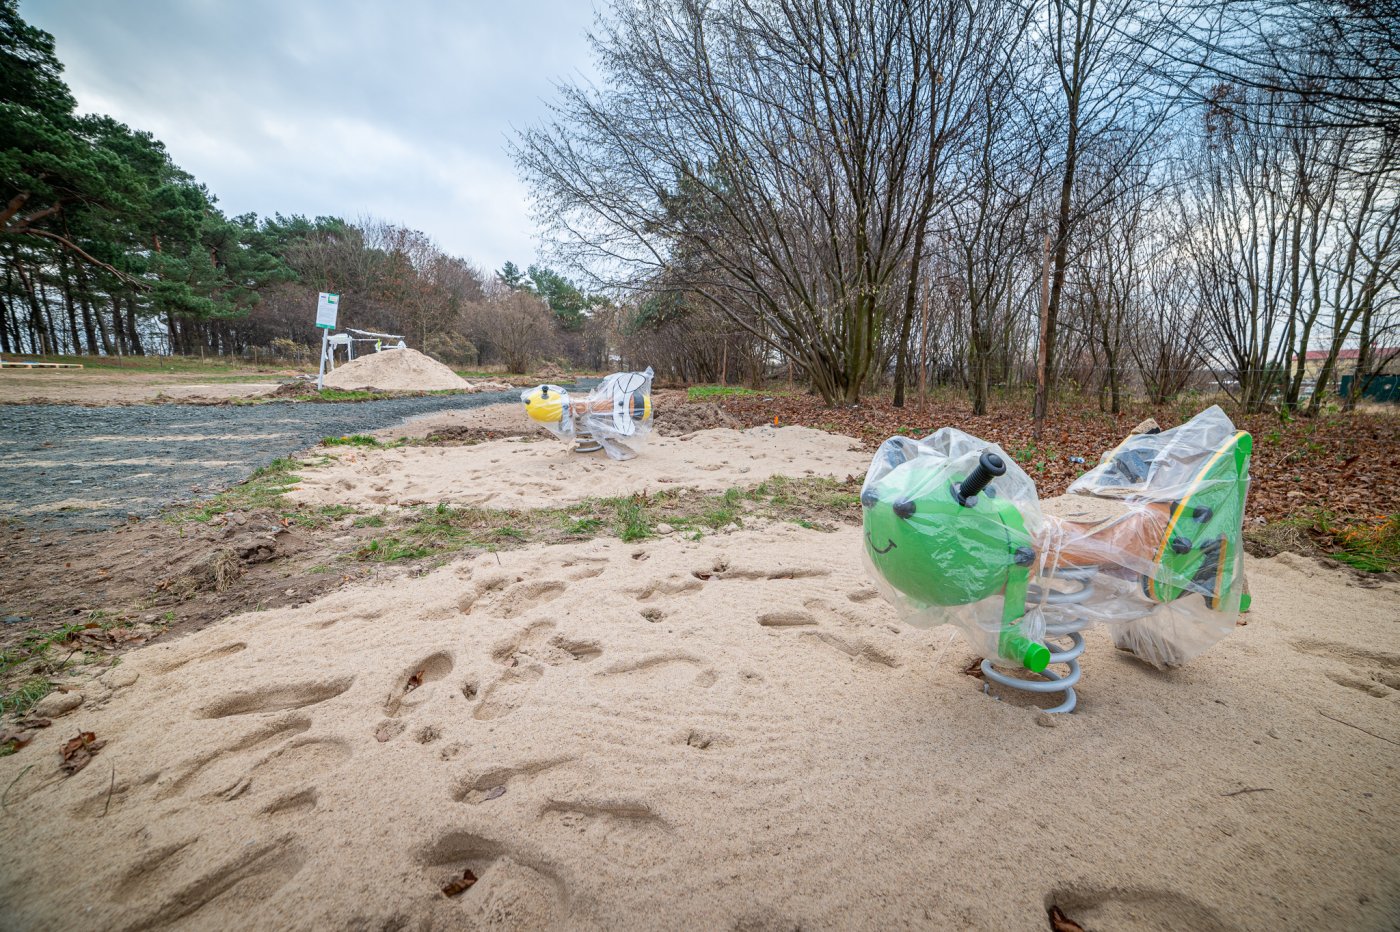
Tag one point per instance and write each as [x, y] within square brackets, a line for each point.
[1384, 360]
[1384, 381]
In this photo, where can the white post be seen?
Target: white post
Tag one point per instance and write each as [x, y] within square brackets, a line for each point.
[327, 307]
[325, 344]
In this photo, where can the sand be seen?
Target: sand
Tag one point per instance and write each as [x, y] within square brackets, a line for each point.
[532, 472]
[731, 733]
[405, 370]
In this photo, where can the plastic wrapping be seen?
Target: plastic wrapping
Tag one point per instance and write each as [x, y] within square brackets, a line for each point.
[1148, 542]
[616, 415]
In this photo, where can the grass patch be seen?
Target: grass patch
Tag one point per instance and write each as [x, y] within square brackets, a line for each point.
[26, 667]
[443, 529]
[354, 440]
[1036, 457]
[264, 489]
[705, 392]
[582, 527]
[392, 549]
[1369, 544]
[349, 394]
[322, 516]
[632, 519]
[24, 697]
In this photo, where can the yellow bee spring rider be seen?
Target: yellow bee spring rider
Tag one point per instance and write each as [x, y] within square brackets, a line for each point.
[614, 416]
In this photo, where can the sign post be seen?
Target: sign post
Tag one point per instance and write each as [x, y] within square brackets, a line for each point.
[327, 306]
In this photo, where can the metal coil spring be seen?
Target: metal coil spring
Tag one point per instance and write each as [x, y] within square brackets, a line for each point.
[1050, 681]
[586, 443]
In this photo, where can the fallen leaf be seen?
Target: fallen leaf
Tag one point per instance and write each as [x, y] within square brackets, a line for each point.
[1059, 922]
[77, 752]
[17, 738]
[462, 885]
[496, 792]
[414, 682]
[974, 668]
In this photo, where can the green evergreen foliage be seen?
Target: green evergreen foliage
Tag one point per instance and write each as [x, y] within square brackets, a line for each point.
[109, 247]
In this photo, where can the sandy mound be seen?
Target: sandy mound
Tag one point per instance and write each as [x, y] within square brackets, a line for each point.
[507, 419]
[530, 474]
[733, 733]
[680, 420]
[403, 370]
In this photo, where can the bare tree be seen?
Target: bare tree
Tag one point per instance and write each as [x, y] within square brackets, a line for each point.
[518, 325]
[783, 157]
[1105, 57]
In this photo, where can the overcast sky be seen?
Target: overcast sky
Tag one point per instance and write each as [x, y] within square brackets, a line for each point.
[396, 109]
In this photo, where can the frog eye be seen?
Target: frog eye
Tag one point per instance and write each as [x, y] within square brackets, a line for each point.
[904, 508]
[868, 498]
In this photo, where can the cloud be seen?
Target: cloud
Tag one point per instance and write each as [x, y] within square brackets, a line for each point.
[400, 110]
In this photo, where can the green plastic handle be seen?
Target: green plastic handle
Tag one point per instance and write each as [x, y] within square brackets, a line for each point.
[1032, 655]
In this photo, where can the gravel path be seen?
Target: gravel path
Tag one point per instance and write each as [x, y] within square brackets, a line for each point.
[73, 466]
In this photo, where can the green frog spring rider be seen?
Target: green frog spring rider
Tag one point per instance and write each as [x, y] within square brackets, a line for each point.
[1147, 542]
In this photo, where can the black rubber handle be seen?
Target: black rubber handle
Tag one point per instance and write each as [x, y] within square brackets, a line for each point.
[989, 466]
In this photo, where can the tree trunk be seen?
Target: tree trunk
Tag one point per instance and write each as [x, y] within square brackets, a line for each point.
[67, 279]
[923, 352]
[135, 335]
[38, 334]
[1042, 366]
[118, 331]
[5, 324]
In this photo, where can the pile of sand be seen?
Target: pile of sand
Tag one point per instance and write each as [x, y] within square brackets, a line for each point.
[734, 733]
[404, 370]
[545, 474]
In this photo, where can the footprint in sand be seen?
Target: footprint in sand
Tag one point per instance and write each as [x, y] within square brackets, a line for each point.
[239, 881]
[786, 618]
[1375, 673]
[186, 778]
[1095, 908]
[722, 569]
[671, 585]
[276, 698]
[217, 653]
[508, 692]
[286, 765]
[411, 687]
[618, 830]
[539, 642]
[491, 784]
[855, 649]
[526, 654]
[668, 668]
[299, 801]
[507, 883]
[509, 597]
[811, 615]
[595, 567]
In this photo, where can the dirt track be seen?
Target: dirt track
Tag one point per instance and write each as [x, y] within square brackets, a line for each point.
[74, 466]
